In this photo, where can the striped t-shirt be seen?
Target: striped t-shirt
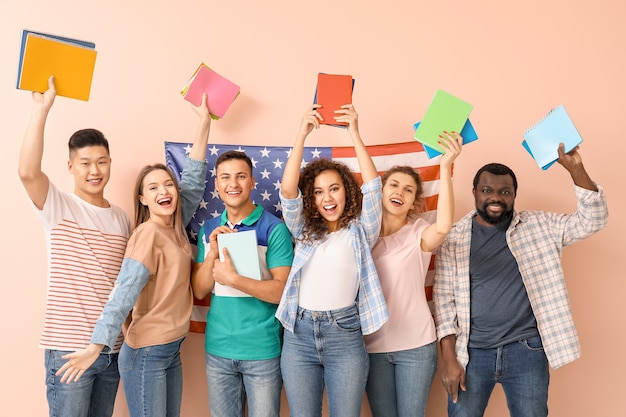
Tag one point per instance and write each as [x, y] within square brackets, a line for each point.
[86, 247]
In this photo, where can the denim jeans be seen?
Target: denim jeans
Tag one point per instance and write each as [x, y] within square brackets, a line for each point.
[92, 395]
[231, 381]
[326, 348]
[153, 379]
[522, 369]
[399, 382]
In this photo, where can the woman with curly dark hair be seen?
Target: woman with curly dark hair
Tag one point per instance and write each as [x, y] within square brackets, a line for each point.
[332, 296]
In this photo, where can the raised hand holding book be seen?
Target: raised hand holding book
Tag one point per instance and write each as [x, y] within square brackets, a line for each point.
[71, 61]
[542, 140]
[332, 92]
[467, 133]
[220, 91]
[446, 112]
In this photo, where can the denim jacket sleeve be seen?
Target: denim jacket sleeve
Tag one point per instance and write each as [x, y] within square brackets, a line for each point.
[132, 278]
[191, 187]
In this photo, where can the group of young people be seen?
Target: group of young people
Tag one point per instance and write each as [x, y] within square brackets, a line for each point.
[341, 304]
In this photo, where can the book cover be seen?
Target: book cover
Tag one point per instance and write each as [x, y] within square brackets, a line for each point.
[467, 133]
[446, 112]
[332, 92]
[71, 61]
[220, 91]
[243, 250]
[542, 140]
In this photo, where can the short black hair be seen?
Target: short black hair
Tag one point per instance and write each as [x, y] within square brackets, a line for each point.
[496, 169]
[230, 155]
[87, 137]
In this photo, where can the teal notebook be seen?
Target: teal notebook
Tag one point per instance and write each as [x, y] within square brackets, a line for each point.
[542, 140]
[242, 248]
[467, 133]
[446, 112]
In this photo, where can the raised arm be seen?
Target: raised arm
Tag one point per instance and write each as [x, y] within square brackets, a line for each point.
[434, 234]
[35, 181]
[194, 171]
[198, 150]
[573, 163]
[348, 114]
[291, 174]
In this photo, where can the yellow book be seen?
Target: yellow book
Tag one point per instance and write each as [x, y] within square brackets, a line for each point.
[71, 61]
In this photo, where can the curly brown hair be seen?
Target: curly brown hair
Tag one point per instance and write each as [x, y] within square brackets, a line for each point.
[315, 227]
[419, 205]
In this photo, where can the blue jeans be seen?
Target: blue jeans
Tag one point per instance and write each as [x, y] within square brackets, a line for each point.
[522, 369]
[230, 381]
[399, 382]
[326, 348]
[92, 395]
[153, 379]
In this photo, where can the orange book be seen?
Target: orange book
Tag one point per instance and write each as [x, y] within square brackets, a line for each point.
[333, 91]
[71, 61]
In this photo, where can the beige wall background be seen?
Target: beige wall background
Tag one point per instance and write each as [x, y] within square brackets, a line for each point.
[512, 60]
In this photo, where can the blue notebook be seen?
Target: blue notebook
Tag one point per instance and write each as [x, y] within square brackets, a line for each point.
[542, 140]
[243, 250]
[468, 133]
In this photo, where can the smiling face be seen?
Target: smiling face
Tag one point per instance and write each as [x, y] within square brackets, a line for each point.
[234, 182]
[91, 168]
[330, 197]
[160, 195]
[494, 197]
[399, 194]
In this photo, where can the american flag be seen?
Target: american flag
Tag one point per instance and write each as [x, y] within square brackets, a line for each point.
[268, 164]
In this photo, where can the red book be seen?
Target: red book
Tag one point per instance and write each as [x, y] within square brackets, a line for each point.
[333, 91]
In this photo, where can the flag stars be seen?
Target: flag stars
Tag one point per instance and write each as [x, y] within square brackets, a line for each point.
[278, 163]
[315, 153]
[188, 149]
[303, 164]
[265, 174]
[213, 171]
[266, 196]
[254, 162]
[203, 204]
[277, 185]
[278, 207]
[265, 153]
[215, 194]
[215, 214]
[213, 150]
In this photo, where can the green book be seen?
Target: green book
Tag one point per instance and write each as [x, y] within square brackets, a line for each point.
[446, 112]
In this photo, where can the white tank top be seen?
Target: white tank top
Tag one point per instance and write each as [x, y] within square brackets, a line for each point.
[330, 278]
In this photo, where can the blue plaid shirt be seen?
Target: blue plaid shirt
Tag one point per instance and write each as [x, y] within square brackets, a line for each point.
[363, 234]
[536, 239]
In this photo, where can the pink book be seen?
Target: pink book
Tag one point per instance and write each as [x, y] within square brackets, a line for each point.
[220, 91]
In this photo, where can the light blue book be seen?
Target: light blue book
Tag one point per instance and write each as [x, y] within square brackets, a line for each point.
[468, 133]
[542, 140]
[243, 250]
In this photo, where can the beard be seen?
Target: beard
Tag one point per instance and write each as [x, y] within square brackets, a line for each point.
[504, 218]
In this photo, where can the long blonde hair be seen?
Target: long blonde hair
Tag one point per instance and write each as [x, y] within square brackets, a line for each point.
[142, 213]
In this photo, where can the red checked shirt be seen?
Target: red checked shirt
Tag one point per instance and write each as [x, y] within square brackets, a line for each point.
[536, 239]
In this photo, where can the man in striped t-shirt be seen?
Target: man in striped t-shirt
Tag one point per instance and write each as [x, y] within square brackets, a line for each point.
[86, 240]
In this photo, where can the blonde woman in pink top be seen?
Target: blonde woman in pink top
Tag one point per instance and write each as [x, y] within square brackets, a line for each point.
[403, 353]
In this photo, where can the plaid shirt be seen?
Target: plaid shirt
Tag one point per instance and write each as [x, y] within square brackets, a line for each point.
[363, 234]
[536, 240]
